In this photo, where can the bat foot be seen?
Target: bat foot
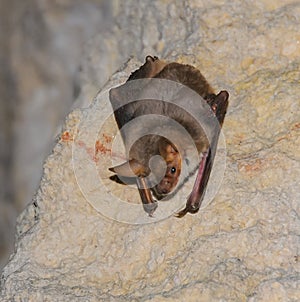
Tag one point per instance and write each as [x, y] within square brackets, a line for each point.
[188, 209]
[151, 59]
[150, 208]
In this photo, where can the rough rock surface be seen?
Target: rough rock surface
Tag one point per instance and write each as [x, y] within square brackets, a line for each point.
[244, 246]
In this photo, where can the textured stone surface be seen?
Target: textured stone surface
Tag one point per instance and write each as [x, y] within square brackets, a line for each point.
[244, 246]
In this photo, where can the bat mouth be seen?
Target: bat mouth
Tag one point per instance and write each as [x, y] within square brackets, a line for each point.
[160, 193]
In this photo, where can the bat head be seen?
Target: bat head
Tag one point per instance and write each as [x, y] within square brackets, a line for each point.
[172, 158]
[173, 169]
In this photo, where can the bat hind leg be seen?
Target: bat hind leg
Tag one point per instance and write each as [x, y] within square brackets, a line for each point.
[188, 209]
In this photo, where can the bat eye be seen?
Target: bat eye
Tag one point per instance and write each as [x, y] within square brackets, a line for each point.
[173, 170]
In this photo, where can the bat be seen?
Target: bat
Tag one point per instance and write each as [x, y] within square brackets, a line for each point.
[191, 100]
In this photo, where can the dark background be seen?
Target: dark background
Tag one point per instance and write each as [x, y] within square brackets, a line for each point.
[42, 43]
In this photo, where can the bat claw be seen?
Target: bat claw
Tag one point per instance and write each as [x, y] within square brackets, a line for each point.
[150, 58]
[150, 208]
[188, 209]
[180, 214]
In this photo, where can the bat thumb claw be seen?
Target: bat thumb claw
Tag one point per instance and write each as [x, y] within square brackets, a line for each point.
[150, 208]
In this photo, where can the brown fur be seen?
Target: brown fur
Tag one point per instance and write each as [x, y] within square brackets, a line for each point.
[147, 146]
[150, 69]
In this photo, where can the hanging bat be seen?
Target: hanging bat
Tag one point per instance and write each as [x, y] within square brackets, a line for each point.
[137, 101]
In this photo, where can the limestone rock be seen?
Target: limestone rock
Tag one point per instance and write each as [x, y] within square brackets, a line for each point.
[243, 246]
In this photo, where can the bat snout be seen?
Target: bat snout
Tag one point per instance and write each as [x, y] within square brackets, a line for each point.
[173, 161]
[159, 192]
[163, 189]
[166, 185]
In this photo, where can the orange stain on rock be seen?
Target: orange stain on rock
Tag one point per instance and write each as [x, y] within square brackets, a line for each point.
[66, 137]
[100, 148]
[107, 138]
[290, 134]
[254, 166]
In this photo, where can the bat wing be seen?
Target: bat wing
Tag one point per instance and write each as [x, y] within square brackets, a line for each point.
[219, 106]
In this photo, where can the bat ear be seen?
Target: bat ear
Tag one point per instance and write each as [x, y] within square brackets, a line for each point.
[171, 149]
[219, 104]
[223, 97]
[131, 168]
[166, 147]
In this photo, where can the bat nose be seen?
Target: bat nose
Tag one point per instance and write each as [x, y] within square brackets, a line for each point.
[161, 192]
[164, 191]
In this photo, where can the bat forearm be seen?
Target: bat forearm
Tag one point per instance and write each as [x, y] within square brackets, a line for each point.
[195, 199]
[149, 203]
